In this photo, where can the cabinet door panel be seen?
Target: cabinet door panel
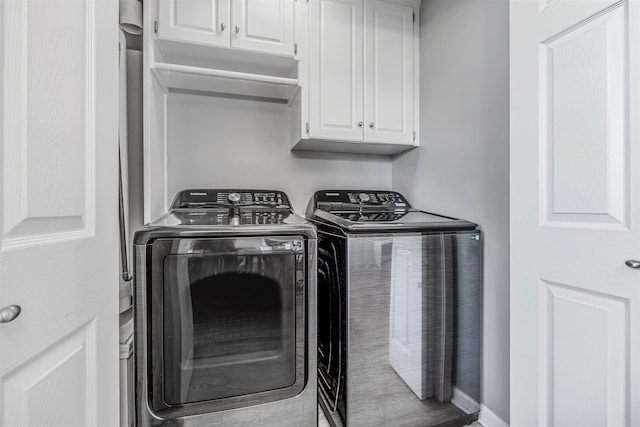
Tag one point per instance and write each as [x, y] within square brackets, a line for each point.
[388, 38]
[335, 70]
[194, 21]
[263, 25]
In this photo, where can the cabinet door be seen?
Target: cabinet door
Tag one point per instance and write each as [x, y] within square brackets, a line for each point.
[388, 64]
[335, 70]
[194, 21]
[263, 26]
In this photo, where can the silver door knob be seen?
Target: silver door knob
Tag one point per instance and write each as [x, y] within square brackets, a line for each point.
[371, 125]
[359, 124]
[222, 27]
[632, 263]
[9, 313]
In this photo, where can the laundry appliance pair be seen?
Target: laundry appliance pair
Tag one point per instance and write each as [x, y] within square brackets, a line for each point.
[233, 329]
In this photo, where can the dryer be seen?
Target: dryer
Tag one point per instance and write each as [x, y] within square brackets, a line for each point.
[225, 330]
[399, 311]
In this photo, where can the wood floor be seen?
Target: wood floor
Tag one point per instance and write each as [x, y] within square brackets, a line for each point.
[322, 420]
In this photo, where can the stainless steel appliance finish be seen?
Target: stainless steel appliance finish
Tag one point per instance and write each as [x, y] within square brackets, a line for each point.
[225, 331]
[399, 312]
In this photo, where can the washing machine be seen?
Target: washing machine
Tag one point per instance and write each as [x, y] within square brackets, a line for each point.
[399, 311]
[225, 331]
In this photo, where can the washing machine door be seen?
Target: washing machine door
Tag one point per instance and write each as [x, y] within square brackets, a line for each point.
[227, 321]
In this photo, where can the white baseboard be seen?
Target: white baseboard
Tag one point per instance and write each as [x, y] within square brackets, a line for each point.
[463, 401]
[489, 419]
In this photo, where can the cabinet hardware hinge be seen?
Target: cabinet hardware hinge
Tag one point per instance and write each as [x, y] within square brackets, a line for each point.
[306, 127]
[414, 17]
[295, 48]
[155, 27]
[414, 135]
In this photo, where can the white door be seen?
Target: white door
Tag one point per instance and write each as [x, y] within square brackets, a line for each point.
[575, 213]
[406, 325]
[58, 212]
[335, 70]
[388, 72]
[202, 22]
[263, 26]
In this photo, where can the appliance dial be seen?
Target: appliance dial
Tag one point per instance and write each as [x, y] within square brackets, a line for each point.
[364, 197]
[234, 198]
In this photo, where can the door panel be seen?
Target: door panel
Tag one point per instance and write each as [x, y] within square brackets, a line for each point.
[335, 70]
[583, 113]
[574, 321]
[388, 96]
[575, 204]
[263, 26]
[66, 370]
[46, 155]
[194, 21]
[58, 205]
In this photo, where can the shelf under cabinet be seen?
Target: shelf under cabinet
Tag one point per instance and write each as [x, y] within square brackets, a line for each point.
[227, 74]
[178, 78]
[213, 71]
[359, 147]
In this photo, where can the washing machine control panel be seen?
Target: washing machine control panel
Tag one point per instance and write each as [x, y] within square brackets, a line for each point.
[336, 198]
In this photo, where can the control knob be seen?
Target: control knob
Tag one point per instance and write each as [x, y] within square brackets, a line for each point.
[234, 198]
[364, 197]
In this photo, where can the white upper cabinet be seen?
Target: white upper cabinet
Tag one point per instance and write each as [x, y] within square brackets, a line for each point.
[335, 70]
[388, 72]
[194, 21]
[360, 90]
[264, 26]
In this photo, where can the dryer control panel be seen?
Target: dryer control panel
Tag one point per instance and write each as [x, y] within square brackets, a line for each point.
[197, 199]
[243, 217]
[334, 199]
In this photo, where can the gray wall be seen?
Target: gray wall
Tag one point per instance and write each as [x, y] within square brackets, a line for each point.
[216, 142]
[461, 168]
